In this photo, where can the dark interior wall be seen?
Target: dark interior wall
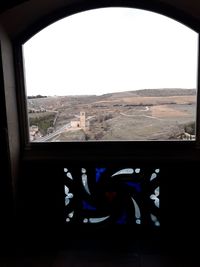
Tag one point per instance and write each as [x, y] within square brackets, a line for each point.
[190, 7]
[15, 20]
[10, 143]
[10, 104]
[6, 199]
[39, 205]
[41, 213]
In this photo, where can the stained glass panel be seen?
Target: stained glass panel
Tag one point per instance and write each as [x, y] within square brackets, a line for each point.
[103, 195]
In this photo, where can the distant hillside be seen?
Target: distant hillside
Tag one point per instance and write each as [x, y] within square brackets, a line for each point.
[151, 93]
[166, 92]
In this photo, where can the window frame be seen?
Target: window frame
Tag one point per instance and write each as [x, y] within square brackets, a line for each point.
[102, 148]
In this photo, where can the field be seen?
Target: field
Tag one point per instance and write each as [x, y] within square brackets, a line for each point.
[159, 114]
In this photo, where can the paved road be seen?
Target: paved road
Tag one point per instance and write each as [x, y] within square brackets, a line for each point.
[51, 135]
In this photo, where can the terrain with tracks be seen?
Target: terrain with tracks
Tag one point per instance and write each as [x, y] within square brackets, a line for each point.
[151, 114]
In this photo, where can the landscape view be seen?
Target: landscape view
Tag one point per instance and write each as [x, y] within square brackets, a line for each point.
[112, 74]
[149, 114]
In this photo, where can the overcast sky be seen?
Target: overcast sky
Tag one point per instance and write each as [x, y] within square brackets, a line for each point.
[109, 50]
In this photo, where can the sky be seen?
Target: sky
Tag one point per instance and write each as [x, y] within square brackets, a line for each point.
[110, 50]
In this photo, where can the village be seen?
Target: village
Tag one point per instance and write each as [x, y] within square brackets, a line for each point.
[79, 123]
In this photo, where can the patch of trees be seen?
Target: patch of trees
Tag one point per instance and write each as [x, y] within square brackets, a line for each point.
[43, 122]
[99, 106]
[104, 117]
[34, 110]
[190, 128]
[138, 105]
[117, 105]
[36, 96]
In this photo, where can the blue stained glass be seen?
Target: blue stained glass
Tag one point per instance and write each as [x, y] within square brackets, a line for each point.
[137, 186]
[125, 187]
[99, 171]
[87, 206]
[122, 219]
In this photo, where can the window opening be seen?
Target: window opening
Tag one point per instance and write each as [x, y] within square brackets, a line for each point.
[112, 74]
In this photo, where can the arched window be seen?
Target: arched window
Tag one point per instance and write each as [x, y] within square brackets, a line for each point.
[59, 182]
[112, 74]
[92, 87]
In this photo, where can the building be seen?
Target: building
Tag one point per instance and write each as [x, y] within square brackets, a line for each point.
[81, 123]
